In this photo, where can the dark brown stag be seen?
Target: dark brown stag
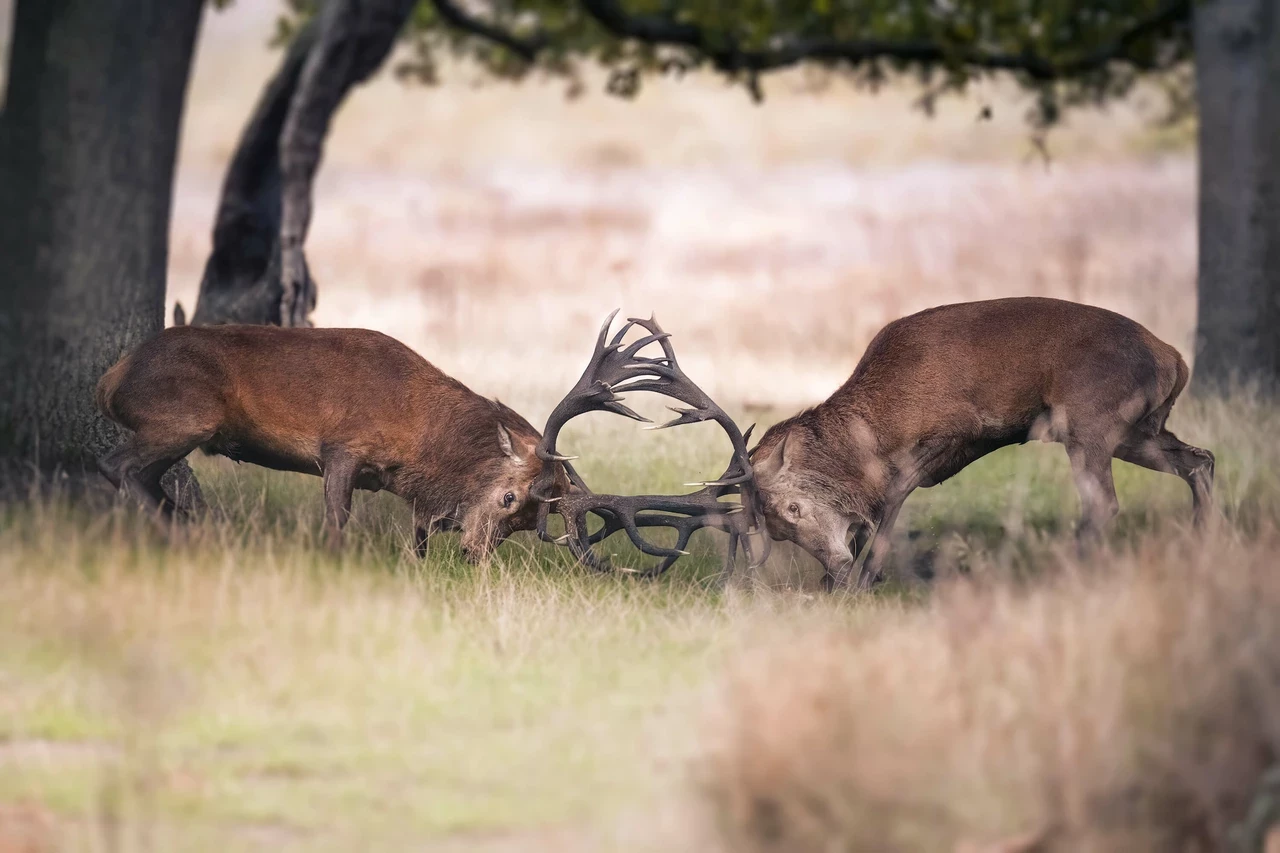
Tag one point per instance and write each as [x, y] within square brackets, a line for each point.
[616, 368]
[354, 406]
[937, 390]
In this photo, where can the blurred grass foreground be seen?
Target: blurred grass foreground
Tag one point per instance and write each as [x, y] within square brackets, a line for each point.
[239, 688]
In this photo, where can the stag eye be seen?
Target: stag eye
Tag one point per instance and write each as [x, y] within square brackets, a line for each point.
[794, 509]
[508, 499]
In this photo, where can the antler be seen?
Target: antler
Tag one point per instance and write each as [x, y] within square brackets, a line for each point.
[615, 369]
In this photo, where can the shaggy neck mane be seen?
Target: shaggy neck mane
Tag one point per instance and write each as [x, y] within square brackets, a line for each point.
[474, 454]
[837, 452]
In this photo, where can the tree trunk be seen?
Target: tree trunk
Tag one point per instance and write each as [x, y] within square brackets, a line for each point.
[241, 282]
[88, 139]
[1238, 87]
[257, 272]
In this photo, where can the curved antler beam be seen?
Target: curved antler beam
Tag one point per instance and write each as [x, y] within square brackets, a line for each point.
[615, 369]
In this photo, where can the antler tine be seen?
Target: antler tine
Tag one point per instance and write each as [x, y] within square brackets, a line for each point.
[736, 480]
[636, 372]
[604, 330]
[640, 344]
[686, 416]
[651, 325]
[616, 340]
[544, 515]
[617, 408]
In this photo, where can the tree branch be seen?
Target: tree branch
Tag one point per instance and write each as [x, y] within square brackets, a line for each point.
[1167, 15]
[458, 18]
[241, 281]
[353, 38]
[657, 29]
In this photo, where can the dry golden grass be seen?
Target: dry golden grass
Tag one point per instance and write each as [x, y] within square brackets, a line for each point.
[1129, 704]
[1031, 700]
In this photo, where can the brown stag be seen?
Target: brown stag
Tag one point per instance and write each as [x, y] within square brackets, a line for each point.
[354, 406]
[938, 389]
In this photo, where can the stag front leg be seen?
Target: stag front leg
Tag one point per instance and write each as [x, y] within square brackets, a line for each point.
[860, 536]
[831, 580]
[873, 565]
[427, 524]
[421, 538]
[340, 470]
[838, 562]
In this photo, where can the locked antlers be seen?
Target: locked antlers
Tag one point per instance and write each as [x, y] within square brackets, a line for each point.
[615, 369]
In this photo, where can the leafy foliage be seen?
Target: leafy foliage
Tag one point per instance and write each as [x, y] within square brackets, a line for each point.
[1069, 52]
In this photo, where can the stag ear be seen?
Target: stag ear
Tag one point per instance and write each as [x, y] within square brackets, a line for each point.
[504, 441]
[784, 460]
[776, 462]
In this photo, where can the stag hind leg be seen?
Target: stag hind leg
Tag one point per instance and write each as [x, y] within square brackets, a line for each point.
[137, 465]
[162, 435]
[1166, 453]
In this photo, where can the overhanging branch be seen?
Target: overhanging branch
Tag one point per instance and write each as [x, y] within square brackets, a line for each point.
[526, 48]
[728, 57]
[1166, 16]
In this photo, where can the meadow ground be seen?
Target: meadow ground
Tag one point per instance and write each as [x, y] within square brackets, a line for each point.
[240, 688]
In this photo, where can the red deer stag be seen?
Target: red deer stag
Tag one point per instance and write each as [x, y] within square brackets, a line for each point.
[937, 390]
[354, 406]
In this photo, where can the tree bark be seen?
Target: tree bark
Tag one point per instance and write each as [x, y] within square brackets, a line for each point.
[257, 272]
[88, 140]
[1238, 87]
[241, 282]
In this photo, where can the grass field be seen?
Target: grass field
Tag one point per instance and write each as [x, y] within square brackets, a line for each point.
[240, 688]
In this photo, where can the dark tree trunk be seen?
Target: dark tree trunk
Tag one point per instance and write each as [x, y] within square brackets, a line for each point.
[241, 282]
[257, 272]
[88, 139]
[1238, 87]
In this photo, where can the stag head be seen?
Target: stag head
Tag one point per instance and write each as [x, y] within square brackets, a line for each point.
[616, 368]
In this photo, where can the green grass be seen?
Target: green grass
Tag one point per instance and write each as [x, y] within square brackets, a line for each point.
[240, 686]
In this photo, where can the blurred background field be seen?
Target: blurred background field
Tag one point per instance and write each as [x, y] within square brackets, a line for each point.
[239, 688]
[493, 227]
